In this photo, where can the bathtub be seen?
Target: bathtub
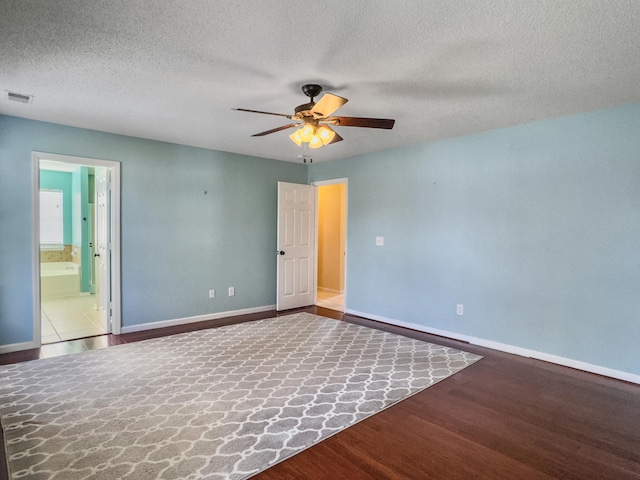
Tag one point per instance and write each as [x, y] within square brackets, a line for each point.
[59, 279]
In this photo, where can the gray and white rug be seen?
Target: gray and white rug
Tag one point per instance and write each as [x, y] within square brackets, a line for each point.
[224, 403]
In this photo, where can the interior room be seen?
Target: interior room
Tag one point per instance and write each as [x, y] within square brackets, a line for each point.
[68, 303]
[477, 188]
[332, 240]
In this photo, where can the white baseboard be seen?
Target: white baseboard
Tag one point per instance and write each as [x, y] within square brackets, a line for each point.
[198, 318]
[16, 347]
[330, 290]
[503, 347]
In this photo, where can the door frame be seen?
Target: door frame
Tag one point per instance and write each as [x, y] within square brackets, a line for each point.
[114, 224]
[322, 183]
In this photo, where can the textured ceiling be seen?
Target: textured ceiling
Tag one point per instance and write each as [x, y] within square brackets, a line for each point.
[173, 71]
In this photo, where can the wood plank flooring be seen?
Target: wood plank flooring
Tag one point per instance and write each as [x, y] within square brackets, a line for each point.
[503, 417]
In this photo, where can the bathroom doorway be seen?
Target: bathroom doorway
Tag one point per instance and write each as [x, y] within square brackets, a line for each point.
[77, 246]
[332, 239]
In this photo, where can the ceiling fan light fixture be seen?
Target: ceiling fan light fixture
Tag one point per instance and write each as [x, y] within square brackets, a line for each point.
[315, 142]
[295, 137]
[326, 134]
[307, 132]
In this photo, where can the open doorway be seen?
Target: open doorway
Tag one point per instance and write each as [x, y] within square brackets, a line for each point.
[332, 237]
[76, 223]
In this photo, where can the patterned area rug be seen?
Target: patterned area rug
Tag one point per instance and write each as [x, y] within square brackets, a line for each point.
[224, 403]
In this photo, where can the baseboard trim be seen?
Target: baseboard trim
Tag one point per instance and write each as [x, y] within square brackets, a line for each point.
[330, 290]
[198, 318]
[503, 347]
[16, 347]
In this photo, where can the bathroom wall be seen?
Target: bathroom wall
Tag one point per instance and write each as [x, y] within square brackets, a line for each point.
[73, 198]
[64, 255]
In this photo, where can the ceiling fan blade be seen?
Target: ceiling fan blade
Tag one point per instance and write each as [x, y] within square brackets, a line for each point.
[265, 113]
[328, 104]
[274, 130]
[336, 139]
[385, 123]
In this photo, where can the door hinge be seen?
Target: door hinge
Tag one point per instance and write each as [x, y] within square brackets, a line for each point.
[110, 316]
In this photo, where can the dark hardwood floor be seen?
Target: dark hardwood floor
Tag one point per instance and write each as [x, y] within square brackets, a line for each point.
[503, 417]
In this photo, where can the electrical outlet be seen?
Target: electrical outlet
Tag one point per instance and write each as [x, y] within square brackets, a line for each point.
[212, 293]
[459, 309]
[232, 291]
[379, 241]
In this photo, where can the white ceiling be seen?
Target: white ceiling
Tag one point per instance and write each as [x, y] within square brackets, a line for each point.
[173, 71]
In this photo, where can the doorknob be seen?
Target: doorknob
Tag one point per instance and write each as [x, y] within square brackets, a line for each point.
[279, 252]
[96, 254]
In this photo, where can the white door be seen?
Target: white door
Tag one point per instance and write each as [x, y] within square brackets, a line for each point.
[102, 250]
[296, 245]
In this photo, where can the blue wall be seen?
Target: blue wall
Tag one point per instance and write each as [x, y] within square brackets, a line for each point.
[177, 242]
[61, 181]
[534, 228]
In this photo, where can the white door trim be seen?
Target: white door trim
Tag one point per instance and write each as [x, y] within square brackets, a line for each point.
[322, 183]
[115, 236]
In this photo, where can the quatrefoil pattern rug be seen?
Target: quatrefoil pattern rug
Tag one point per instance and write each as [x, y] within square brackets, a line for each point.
[223, 403]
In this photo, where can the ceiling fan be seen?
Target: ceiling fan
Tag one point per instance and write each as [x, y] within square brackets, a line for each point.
[313, 119]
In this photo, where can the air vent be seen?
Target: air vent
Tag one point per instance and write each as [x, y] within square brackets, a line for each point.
[19, 97]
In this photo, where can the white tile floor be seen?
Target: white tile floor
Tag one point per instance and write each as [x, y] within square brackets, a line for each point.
[334, 301]
[66, 318]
